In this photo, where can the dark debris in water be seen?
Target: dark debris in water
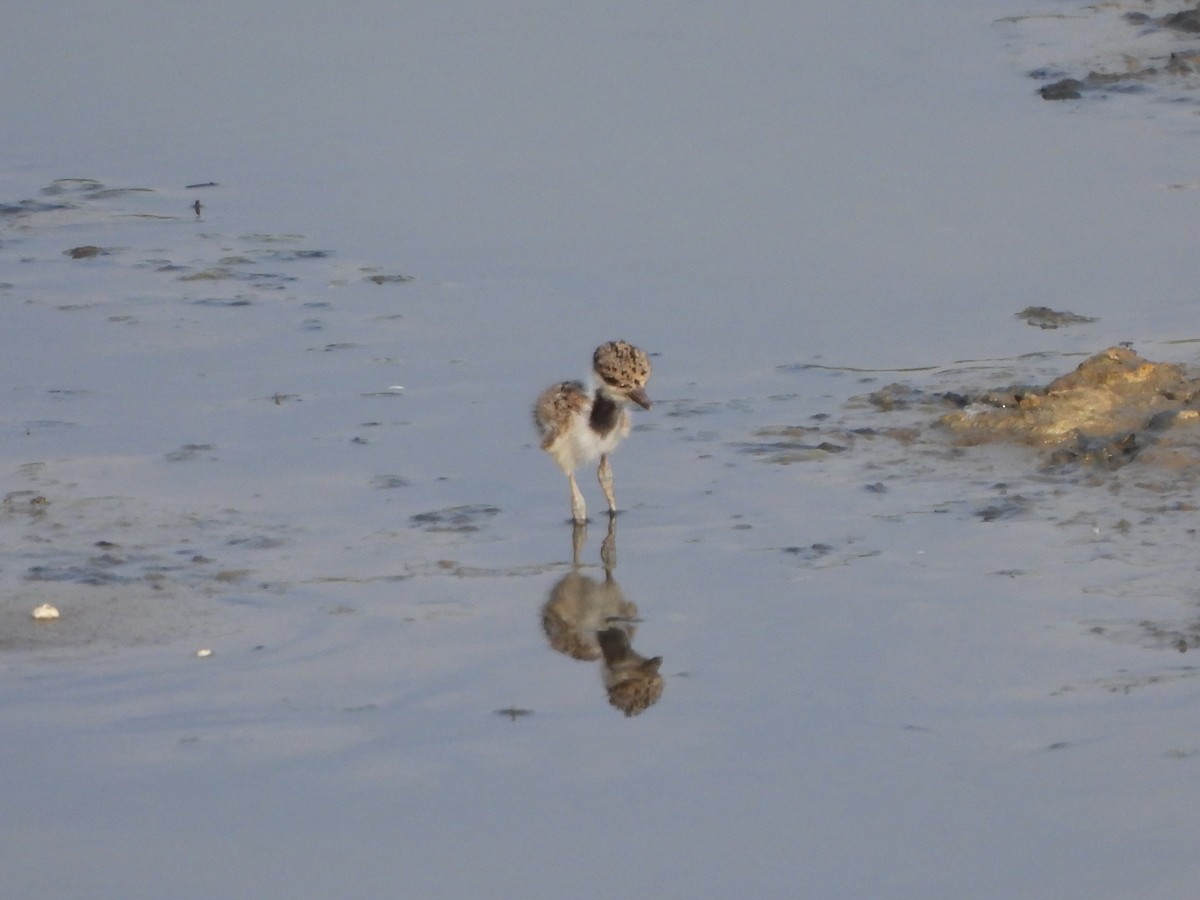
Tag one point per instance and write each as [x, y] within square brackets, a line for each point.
[1126, 682]
[96, 574]
[1006, 508]
[87, 251]
[800, 443]
[71, 185]
[455, 518]
[1180, 637]
[25, 501]
[293, 255]
[789, 451]
[109, 193]
[514, 712]
[389, 279]
[390, 482]
[1045, 317]
[231, 302]
[25, 207]
[813, 551]
[189, 452]
[820, 555]
[215, 273]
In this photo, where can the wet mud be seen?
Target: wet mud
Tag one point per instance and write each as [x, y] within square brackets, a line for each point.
[1153, 49]
[242, 269]
[1105, 451]
[127, 568]
[1114, 409]
[105, 564]
[125, 571]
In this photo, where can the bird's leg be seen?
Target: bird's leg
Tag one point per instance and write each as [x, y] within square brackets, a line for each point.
[578, 507]
[604, 473]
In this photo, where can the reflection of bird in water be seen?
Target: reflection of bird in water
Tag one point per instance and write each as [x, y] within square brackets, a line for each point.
[633, 681]
[579, 606]
[588, 619]
[577, 425]
[578, 609]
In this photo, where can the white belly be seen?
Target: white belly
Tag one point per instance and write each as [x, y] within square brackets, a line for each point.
[581, 444]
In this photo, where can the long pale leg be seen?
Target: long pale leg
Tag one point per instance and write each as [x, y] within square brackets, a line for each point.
[578, 507]
[604, 473]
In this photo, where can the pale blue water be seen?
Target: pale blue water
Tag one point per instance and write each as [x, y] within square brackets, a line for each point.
[915, 707]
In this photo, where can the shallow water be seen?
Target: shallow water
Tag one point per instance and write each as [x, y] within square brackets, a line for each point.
[893, 667]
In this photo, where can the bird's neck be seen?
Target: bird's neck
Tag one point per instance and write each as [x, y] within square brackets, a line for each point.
[605, 414]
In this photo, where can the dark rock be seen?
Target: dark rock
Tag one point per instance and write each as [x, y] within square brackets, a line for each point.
[1067, 89]
[1008, 508]
[1188, 20]
[85, 252]
[893, 396]
[1045, 317]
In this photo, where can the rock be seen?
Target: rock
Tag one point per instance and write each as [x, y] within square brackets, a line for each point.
[1045, 317]
[85, 252]
[1188, 20]
[1106, 413]
[893, 396]
[1066, 89]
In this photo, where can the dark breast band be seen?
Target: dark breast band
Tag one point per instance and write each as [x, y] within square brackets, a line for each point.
[605, 415]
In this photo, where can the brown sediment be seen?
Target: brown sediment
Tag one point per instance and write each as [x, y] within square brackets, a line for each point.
[1114, 407]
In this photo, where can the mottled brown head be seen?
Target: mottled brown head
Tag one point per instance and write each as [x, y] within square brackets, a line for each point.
[624, 370]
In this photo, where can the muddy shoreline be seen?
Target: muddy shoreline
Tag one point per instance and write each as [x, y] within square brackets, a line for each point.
[1159, 55]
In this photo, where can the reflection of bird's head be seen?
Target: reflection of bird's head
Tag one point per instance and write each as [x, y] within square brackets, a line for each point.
[633, 682]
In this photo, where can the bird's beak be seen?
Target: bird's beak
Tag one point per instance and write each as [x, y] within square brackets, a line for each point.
[638, 396]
